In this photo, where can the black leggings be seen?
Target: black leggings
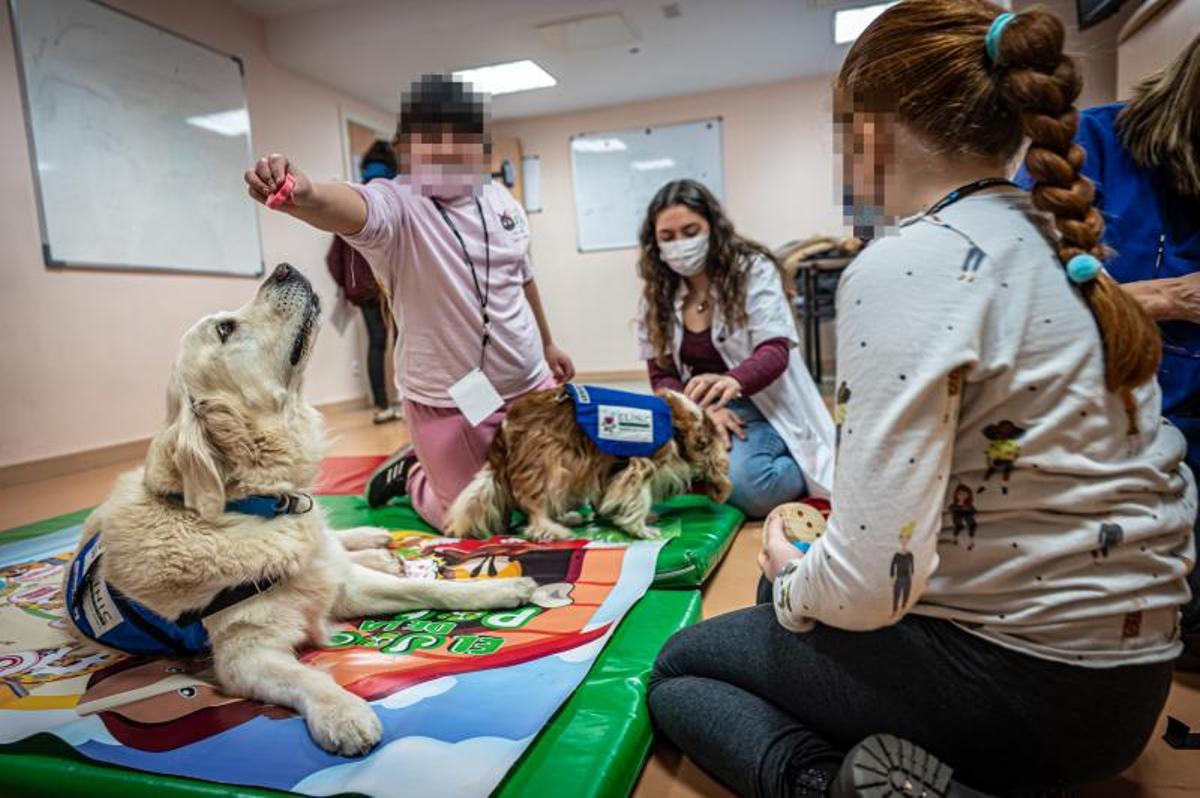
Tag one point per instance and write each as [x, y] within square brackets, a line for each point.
[755, 705]
[376, 351]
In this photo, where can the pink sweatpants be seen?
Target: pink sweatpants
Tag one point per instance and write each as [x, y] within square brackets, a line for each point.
[449, 453]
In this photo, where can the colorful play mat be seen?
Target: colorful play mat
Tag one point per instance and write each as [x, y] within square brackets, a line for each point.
[544, 699]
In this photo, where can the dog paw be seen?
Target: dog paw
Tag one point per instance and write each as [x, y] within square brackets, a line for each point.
[378, 560]
[548, 532]
[364, 537]
[571, 518]
[507, 593]
[344, 725]
[644, 532]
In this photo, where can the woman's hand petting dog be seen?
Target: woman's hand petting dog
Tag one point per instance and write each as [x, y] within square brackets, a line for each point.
[728, 423]
[777, 550]
[713, 390]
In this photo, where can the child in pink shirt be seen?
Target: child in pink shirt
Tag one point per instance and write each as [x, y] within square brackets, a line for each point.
[452, 250]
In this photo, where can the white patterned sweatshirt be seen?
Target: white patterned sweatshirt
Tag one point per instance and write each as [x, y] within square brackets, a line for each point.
[984, 473]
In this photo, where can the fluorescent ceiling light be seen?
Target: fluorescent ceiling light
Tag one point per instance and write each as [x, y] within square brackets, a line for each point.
[849, 23]
[657, 163]
[227, 123]
[507, 78]
[598, 145]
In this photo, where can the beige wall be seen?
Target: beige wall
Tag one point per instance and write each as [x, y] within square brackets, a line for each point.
[778, 163]
[1153, 46]
[84, 356]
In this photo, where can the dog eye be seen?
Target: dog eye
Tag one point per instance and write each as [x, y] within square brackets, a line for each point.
[225, 329]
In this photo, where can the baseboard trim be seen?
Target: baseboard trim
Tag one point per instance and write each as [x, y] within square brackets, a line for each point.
[63, 464]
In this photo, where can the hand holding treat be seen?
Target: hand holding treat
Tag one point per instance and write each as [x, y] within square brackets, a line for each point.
[803, 522]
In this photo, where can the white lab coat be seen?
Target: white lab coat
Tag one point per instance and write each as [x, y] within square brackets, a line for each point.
[792, 404]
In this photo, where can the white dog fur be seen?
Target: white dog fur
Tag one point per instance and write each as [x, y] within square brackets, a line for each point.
[237, 426]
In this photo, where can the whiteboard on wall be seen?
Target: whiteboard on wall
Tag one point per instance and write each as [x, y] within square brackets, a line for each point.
[138, 140]
[617, 173]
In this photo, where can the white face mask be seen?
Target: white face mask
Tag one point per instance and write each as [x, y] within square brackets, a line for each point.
[687, 256]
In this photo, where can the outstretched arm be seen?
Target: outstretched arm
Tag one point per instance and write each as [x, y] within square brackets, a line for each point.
[332, 207]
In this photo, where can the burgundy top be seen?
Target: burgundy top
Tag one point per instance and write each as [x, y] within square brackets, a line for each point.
[768, 361]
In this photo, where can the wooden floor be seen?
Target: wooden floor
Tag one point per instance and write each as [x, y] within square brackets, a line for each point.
[1162, 772]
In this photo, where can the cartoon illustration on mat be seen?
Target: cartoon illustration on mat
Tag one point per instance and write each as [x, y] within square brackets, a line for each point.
[1111, 536]
[902, 569]
[962, 514]
[1003, 451]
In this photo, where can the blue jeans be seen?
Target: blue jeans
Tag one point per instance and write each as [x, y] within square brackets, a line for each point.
[762, 470]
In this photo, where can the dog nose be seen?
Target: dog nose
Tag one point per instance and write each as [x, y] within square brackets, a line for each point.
[283, 272]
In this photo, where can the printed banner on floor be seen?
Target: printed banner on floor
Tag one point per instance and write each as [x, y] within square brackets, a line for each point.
[460, 694]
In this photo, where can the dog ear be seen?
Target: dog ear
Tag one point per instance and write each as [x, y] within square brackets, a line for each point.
[203, 486]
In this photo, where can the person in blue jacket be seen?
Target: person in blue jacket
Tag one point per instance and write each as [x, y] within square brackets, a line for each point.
[1144, 158]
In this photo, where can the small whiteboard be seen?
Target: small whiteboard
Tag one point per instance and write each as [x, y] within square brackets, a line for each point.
[617, 173]
[138, 138]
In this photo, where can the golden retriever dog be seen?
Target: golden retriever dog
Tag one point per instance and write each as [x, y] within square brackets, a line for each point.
[543, 463]
[217, 536]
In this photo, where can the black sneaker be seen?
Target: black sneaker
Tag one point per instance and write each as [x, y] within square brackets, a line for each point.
[883, 766]
[390, 480]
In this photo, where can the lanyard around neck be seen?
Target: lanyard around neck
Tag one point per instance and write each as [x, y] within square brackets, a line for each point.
[964, 191]
[482, 294]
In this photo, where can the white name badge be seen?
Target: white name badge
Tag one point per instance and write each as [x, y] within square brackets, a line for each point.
[476, 397]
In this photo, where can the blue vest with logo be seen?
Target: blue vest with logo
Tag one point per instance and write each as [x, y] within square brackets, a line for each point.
[622, 423]
[106, 615]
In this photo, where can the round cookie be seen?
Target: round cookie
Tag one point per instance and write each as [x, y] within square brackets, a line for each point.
[803, 523]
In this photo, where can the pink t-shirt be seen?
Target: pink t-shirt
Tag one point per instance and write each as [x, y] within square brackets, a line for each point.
[416, 256]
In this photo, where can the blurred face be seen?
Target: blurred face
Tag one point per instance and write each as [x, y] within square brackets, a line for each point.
[682, 236]
[444, 161]
[866, 142]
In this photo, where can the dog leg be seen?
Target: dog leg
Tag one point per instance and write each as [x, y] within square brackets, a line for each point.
[363, 537]
[377, 560]
[627, 499]
[339, 721]
[368, 592]
[542, 527]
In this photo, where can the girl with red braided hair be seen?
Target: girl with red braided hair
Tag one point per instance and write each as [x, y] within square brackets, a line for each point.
[983, 348]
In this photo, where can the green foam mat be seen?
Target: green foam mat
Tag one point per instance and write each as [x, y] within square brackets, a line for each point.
[699, 532]
[593, 747]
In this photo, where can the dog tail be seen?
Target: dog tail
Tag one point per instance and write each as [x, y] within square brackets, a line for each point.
[484, 506]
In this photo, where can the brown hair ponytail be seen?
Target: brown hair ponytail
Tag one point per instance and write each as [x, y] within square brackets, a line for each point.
[924, 61]
[1039, 80]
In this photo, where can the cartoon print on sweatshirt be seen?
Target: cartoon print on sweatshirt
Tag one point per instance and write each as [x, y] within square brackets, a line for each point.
[954, 383]
[839, 410]
[785, 589]
[971, 264]
[1132, 625]
[902, 569]
[1003, 451]
[962, 514]
[1111, 536]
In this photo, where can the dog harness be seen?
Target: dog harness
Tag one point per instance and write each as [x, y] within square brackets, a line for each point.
[621, 423]
[108, 616]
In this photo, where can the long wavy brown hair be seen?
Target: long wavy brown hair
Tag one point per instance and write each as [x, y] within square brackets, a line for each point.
[729, 258]
[924, 62]
[1160, 126]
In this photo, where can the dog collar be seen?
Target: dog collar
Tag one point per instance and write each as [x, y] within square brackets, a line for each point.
[264, 505]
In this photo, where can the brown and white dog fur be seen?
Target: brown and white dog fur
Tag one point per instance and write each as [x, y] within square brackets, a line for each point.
[542, 463]
[237, 426]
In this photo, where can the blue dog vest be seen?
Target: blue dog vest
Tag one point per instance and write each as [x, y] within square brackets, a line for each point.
[621, 423]
[108, 616]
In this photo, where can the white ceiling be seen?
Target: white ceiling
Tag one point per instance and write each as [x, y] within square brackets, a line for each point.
[372, 49]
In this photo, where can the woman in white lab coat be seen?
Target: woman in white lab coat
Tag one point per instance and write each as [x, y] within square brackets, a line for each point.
[715, 322]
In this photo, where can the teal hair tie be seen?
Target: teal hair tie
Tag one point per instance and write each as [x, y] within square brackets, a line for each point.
[991, 42]
[1083, 268]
